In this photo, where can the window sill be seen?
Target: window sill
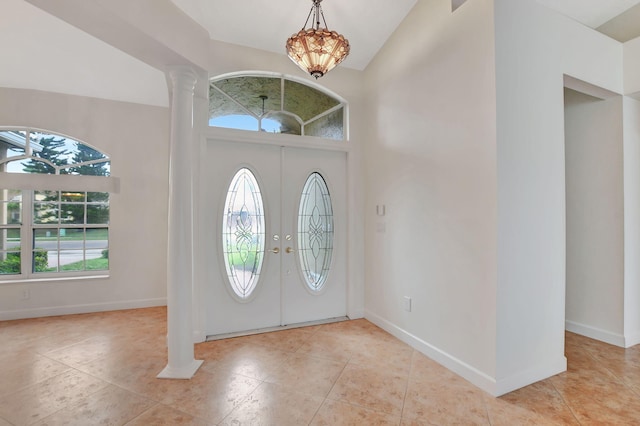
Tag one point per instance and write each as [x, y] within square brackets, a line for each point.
[49, 279]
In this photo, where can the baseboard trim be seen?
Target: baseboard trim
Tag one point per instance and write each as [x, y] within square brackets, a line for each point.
[81, 309]
[595, 333]
[631, 339]
[532, 375]
[184, 372]
[476, 377]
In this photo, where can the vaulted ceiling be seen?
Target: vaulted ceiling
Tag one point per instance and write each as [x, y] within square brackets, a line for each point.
[369, 23]
[82, 35]
[267, 25]
[619, 19]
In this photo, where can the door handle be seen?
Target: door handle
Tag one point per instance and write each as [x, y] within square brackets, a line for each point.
[289, 250]
[275, 250]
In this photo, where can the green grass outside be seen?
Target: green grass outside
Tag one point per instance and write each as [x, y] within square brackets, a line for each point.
[92, 234]
[100, 264]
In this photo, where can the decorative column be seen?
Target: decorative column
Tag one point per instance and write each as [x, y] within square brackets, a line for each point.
[182, 364]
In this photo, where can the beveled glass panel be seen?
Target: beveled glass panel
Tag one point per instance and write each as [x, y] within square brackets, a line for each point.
[238, 121]
[224, 112]
[239, 102]
[249, 91]
[328, 126]
[315, 232]
[306, 102]
[243, 233]
[285, 124]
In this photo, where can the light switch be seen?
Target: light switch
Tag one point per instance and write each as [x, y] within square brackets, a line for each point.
[407, 303]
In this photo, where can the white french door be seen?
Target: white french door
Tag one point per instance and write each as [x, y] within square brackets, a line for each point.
[277, 226]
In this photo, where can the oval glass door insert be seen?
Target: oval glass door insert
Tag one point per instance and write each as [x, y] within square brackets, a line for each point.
[243, 233]
[315, 232]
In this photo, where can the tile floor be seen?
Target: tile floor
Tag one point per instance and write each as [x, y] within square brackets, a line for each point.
[101, 368]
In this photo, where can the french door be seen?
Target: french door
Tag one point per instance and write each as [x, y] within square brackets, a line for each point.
[277, 252]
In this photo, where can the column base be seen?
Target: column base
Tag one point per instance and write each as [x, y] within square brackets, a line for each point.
[186, 372]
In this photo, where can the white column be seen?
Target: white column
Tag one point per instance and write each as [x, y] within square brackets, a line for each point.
[182, 364]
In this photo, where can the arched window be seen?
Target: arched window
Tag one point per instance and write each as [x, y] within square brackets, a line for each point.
[275, 104]
[51, 224]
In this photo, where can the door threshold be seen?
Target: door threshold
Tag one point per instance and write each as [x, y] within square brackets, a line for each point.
[277, 328]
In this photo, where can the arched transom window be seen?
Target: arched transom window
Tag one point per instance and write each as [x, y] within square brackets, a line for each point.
[275, 104]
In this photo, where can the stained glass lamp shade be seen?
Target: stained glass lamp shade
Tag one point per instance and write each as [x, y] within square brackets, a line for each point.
[317, 50]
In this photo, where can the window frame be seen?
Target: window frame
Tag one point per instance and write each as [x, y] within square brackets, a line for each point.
[27, 184]
[342, 104]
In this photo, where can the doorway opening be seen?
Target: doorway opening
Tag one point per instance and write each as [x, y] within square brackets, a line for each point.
[594, 212]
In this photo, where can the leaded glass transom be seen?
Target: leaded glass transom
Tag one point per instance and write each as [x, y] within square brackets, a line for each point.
[315, 232]
[243, 233]
[275, 104]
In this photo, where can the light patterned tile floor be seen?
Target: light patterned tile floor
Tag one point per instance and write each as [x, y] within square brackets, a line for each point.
[101, 369]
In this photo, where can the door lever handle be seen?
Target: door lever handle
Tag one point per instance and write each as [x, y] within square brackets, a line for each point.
[275, 250]
[289, 250]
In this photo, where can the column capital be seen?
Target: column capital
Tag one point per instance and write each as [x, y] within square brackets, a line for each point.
[182, 77]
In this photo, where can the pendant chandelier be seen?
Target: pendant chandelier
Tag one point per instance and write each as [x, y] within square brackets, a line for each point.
[317, 50]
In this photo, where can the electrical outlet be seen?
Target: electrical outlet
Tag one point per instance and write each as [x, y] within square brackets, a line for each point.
[407, 303]
[26, 294]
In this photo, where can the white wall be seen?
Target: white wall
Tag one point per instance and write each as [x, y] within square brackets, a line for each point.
[632, 192]
[595, 216]
[430, 159]
[52, 76]
[631, 113]
[136, 139]
[632, 66]
[40, 51]
[535, 47]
